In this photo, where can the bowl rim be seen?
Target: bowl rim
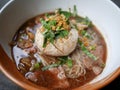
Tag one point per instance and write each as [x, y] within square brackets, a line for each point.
[97, 85]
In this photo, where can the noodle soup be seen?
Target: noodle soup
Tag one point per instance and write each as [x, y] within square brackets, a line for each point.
[59, 50]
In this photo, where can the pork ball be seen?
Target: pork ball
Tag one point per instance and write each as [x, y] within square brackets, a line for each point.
[61, 46]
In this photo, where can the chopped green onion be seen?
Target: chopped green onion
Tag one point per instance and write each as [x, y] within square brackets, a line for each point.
[58, 28]
[48, 36]
[93, 47]
[87, 21]
[47, 15]
[66, 60]
[74, 26]
[66, 14]
[49, 66]
[85, 34]
[84, 49]
[48, 24]
[69, 63]
[37, 65]
[61, 33]
[63, 60]
[57, 11]
[52, 22]
[75, 11]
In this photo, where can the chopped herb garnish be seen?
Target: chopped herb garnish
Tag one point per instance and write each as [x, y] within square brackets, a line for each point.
[66, 14]
[50, 66]
[75, 11]
[52, 30]
[48, 24]
[52, 22]
[48, 36]
[47, 15]
[58, 28]
[69, 63]
[74, 26]
[62, 60]
[37, 65]
[85, 34]
[66, 60]
[84, 49]
[87, 21]
[93, 47]
[61, 33]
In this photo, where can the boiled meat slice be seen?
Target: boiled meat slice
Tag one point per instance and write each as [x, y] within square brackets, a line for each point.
[60, 78]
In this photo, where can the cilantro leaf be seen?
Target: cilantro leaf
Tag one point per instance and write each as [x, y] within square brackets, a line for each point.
[37, 65]
[75, 11]
[48, 24]
[66, 14]
[61, 33]
[87, 21]
[84, 49]
[48, 36]
[69, 63]
[66, 60]
[49, 66]
[85, 34]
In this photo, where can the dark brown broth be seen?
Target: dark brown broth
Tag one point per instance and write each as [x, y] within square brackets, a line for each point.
[48, 76]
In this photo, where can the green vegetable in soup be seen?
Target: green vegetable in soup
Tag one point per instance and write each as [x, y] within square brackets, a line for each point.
[37, 65]
[85, 34]
[48, 24]
[62, 60]
[84, 49]
[85, 21]
[65, 13]
[49, 66]
[61, 33]
[75, 11]
[66, 60]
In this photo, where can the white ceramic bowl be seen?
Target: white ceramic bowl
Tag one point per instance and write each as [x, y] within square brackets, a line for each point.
[104, 14]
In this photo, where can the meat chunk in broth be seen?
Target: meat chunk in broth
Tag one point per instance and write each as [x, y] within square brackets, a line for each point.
[22, 43]
[25, 64]
[58, 73]
[53, 78]
[61, 79]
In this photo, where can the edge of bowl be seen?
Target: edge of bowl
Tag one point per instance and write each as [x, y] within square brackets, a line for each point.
[94, 86]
